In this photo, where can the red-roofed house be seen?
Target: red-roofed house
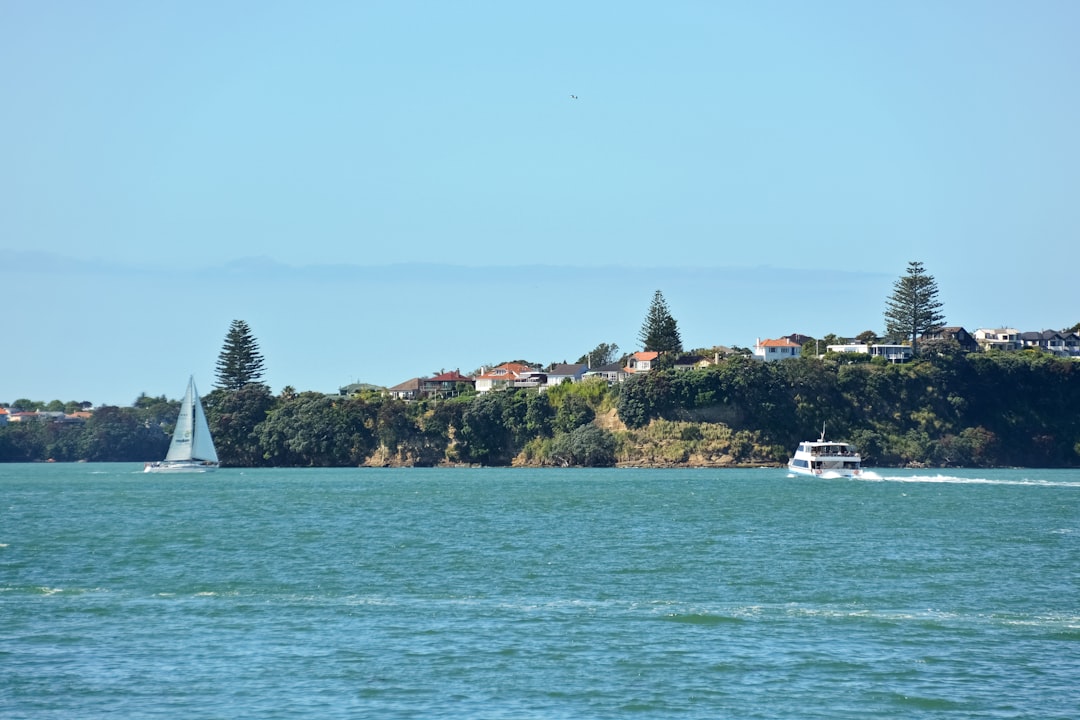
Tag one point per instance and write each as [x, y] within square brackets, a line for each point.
[641, 362]
[782, 349]
[445, 384]
[503, 376]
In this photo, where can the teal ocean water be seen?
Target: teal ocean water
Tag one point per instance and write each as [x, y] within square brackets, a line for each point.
[491, 593]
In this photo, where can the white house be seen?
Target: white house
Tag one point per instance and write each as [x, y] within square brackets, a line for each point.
[505, 376]
[782, 349]
[892, 353]
[573, 372]
[641, 361]
[998, 338]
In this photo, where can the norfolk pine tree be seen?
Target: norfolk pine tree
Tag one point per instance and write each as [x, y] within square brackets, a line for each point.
[240, 361]
[913, 308]
[660, 332]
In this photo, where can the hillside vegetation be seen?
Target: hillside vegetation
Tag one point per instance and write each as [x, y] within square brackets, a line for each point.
[949, 409]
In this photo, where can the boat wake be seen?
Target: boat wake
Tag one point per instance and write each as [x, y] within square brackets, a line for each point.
[959, 480]
[871, 476]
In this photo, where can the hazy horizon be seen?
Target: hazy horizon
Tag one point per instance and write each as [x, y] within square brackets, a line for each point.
[383, 190]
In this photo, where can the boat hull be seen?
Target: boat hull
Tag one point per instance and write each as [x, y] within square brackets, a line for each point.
[179, 467]
[827, 474]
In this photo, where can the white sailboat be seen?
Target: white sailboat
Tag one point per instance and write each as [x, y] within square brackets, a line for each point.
[192, 448]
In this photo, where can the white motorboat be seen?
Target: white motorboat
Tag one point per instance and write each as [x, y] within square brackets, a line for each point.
[826, 459]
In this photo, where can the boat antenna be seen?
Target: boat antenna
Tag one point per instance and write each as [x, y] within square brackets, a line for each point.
[822, 439]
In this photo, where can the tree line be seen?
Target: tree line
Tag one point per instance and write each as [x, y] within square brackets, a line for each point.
[945, 409]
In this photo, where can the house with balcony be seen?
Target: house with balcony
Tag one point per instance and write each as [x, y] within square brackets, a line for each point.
[446, 384]
[1051, 341]
[892, 353]
[1072, 344]
[612, 372]
[506, 376]
[997, 338]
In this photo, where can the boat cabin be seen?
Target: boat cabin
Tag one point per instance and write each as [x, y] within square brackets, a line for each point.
[834, 449]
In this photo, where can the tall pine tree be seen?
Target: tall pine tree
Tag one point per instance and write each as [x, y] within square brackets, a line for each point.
[660, 332]
[240, 361]
[913, 308]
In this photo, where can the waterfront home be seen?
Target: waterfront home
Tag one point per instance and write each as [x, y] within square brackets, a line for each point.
[505, 376]
[408, 390]
[612, 373]
[446, 384]
[641, 362]
[892, 353]
[1062, 344]
[782, 349]
[997, 338]
[574, 372]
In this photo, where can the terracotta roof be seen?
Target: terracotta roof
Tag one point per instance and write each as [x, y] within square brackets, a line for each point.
[452, 376]
[510, 370]
[782, 342]
[646, 355]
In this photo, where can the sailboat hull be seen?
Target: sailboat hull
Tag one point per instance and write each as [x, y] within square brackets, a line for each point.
[180, 466]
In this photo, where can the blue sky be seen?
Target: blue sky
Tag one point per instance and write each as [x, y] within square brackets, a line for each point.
[770, 166]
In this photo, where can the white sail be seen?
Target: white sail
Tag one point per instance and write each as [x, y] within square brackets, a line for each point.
[202, 445]
[192, 448]
[181, 446]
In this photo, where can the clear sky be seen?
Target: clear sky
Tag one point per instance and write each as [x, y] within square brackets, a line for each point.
[166, 167]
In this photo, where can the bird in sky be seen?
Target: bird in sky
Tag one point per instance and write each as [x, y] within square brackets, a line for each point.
[574, 97]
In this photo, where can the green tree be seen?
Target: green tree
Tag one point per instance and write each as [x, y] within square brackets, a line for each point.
[585, 445]
[22, 442]
[116, 434]
[240, 361]
[394, 427]
[660, 332]
[866, 337]
[538, 415]
[316, 430]
[913, 308]
[484, 436]
[233, 417]
[573, 412]
[600, 355]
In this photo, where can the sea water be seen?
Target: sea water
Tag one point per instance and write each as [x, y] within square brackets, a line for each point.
[507, 593]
